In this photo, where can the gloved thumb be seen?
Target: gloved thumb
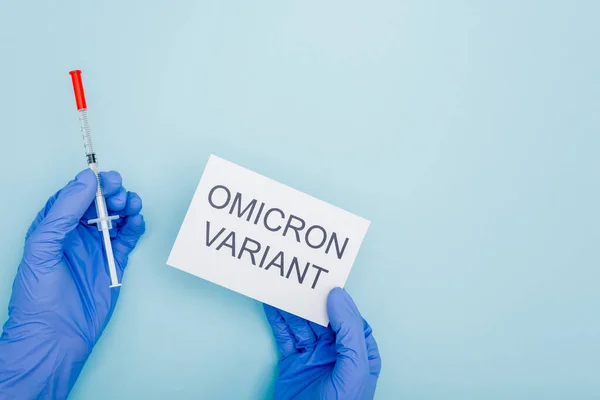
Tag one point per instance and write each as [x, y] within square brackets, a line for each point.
[45, 245]
[352, 366]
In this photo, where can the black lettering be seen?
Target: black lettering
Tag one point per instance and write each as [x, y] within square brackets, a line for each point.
[237, 200]
[262, 261]
[210, 242]
[293, 264]
[231, 246]
[250, 251]
[339, 252]
[276, 264]
[260, 210]
[318, 274]
[307, 236]
[210, 195]
[296, 229]
[267, 216]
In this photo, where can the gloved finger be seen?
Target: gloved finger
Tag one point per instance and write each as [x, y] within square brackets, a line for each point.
[112, 184]
[322, 332]
[351, 369]
[281, 331]
[304, 335]
[372, 350]
[133, 205]
[117, 201]
[130, 232]
[44, 245]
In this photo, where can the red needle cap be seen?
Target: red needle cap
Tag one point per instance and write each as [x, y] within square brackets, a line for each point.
[78, 89]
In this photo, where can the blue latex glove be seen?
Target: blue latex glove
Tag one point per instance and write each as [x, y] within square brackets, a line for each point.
[338, 362]
[61, 300]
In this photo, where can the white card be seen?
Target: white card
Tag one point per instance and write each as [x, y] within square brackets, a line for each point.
[265, 240]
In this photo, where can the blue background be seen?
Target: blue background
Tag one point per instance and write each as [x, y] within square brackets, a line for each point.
[467, 132]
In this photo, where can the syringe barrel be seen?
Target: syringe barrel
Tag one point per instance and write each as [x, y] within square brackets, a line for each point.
[86, 135]
[83, 119]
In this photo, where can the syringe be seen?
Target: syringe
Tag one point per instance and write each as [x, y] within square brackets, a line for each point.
[104, 221]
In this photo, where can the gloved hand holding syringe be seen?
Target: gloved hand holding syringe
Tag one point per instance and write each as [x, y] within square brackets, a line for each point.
[103, 220]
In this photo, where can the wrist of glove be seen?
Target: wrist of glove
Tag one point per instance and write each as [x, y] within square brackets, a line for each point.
[55, 363]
